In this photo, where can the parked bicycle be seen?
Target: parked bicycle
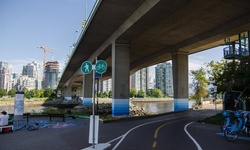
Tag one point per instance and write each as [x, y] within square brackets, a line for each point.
[241, 126]
[228, 119]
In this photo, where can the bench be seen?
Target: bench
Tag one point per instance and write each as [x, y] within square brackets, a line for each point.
[56, 115]
[5, 127]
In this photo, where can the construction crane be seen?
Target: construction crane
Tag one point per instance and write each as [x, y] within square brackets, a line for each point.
[45, 49]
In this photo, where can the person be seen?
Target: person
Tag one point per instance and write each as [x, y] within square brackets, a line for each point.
[4, 118]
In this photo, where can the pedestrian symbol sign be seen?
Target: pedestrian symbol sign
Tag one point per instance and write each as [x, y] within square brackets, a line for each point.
[86, 67]
[101, 66]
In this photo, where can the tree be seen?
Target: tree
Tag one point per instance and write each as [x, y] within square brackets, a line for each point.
[2, 92]
[216, 71]
[231, 75]
[12, 92]
[102, 95]
[110, 94]
[48, 92]
[29, 94]
[155, 93]
[199, 84]
[141, 94]
[132, 92]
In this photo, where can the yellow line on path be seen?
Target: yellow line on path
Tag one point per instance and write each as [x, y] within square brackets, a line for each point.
[157, 130]
[154, 144]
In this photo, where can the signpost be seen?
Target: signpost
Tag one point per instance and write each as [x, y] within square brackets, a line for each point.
[101, 66]
[98, 70]
[86, 67]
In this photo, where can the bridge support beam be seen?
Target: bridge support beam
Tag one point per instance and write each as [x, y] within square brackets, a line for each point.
[120, 79]
[87, 88]
[180, 81]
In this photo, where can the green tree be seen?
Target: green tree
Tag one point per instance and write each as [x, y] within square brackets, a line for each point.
[28, 94]
[25, 91]
[132, 92]
[141, 93]
[37, 93]
[47, 92]
[12, 92]
[216, 71]
[155, 93]
[3, 92]
[105, 94]
[232, 75]
[110, 94]
[199, 84]
[102, 95]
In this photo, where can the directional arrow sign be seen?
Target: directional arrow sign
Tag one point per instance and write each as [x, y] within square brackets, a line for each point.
[86, 67]
[101, 66]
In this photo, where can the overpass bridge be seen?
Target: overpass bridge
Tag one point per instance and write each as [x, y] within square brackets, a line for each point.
[133, 34]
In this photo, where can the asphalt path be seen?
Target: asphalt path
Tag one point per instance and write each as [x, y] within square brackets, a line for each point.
[172, 131]
[177, 131]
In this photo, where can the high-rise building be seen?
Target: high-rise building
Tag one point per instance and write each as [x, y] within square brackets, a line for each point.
[106, 86]
[27, 82]
[151, 78]
[5, 76]
[15, 79]
[140, 80]
[164, 78]
[31, 70]
[51, 74]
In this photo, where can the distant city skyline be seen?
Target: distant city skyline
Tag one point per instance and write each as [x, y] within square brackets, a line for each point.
[195, 60]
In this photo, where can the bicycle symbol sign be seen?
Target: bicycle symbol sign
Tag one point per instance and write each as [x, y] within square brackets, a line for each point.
[86, 67]
[101, 66]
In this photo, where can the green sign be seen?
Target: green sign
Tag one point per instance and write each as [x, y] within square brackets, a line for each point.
[86, 67]
[101, 66]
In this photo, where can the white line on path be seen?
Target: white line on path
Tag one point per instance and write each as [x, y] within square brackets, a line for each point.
[124, 135]
[195, 142]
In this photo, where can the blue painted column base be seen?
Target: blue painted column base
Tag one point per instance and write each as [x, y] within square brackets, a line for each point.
[181, 104]
[87, 101]
[120, 107]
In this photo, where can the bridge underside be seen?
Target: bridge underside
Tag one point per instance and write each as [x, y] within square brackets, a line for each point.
[155, 31]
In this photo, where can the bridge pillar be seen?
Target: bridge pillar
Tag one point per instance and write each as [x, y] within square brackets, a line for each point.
[68, 93]
[64, 91]
[180, 81]
[87, 88]
[120, 79]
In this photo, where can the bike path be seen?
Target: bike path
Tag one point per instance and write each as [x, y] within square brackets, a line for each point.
[73, 135]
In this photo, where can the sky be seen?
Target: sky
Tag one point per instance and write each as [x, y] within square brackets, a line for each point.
[55, 24]
[26, 24]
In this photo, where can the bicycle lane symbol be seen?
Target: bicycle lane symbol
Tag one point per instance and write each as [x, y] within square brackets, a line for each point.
[101, 66]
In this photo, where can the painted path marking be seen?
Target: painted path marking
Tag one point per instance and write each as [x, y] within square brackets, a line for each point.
[195, 142]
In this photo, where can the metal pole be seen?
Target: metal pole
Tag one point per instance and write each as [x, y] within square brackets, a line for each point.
[97, 96]
[93, 109]
[215, 99]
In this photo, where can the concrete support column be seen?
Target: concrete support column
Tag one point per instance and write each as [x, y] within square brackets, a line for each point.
[68, 93]
[87, 88]
[64, 91]
[180, 81]
[120, 79]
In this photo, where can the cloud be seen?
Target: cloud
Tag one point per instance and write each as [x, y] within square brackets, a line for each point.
[195, 64]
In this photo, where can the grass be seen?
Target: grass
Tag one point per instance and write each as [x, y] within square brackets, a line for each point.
[216, 119]
[34, 99]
